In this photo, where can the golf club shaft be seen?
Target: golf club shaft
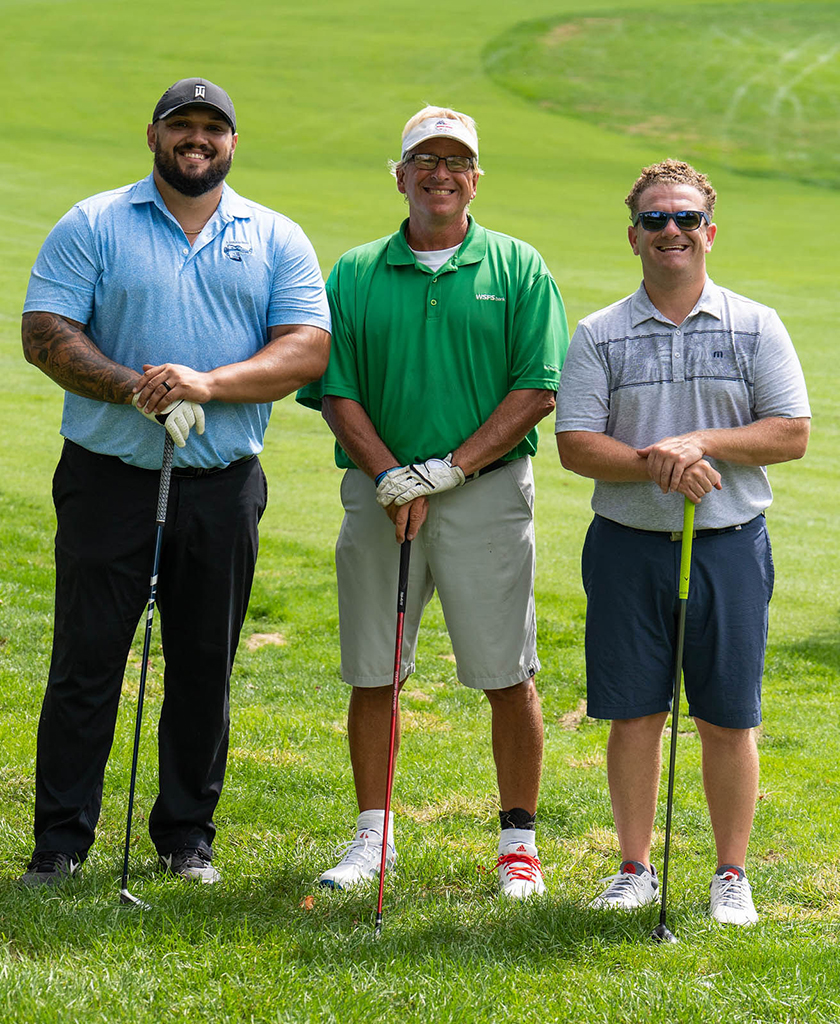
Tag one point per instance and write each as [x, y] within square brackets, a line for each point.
[163, 498]
[402, 591]
[685, 574]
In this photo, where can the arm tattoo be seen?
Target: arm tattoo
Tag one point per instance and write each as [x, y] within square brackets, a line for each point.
[61, 349]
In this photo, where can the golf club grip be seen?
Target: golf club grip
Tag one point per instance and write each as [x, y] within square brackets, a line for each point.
[687, 541]
[402, 588]
[165, 475]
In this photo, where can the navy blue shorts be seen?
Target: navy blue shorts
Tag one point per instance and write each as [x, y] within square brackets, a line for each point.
[631, 579]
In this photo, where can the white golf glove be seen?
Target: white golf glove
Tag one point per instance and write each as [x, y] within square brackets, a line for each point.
[406, 483]
[178, 418]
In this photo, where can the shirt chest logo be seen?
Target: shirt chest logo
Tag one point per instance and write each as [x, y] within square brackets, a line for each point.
[484, 297]
[236, 250]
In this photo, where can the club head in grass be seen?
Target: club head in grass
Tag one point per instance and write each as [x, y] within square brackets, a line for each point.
[662, 934]
[127, 900]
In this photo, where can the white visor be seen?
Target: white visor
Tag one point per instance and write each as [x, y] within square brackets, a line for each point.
[440, 128]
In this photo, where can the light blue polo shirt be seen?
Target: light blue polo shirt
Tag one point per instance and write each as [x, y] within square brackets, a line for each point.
[120, 263]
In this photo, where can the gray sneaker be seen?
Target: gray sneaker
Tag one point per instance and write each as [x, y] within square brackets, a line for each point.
[190, 862]
[50, 867]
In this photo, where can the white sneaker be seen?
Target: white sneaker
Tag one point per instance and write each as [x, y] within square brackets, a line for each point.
[362, 856]
[634, 886]
[730, 898]
[520, 872]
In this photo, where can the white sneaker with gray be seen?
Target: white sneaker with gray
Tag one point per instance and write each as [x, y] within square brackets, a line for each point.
[362, 856]
[730, 897]
[632, 887]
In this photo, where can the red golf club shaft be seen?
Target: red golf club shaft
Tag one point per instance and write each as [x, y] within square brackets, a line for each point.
[402, 590]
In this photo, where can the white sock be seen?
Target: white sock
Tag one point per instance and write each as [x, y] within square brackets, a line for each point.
[373, 820]
[516, 837]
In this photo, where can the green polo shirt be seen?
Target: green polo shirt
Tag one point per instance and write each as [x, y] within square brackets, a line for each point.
[430, 354]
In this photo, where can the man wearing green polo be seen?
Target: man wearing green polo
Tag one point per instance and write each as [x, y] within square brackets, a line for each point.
[447, 345]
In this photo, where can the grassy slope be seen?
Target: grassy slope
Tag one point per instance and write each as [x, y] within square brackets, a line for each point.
[321, 93]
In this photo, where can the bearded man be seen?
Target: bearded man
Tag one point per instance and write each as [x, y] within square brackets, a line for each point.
[174, 304]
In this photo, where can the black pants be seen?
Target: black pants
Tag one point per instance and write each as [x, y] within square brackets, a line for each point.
[103, 552]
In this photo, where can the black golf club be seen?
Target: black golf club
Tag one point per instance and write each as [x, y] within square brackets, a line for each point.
[402, 590]
[661, 932]
[163, 498]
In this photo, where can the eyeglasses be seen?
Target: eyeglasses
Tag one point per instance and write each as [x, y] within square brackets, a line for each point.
[429, 162]
[686, 220]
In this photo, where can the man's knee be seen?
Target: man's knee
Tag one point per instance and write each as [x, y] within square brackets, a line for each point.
[370, 696]
[518, 694]
[628, 729]
[722, 736]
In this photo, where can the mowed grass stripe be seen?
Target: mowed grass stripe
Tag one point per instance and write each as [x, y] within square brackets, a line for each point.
[754, 86]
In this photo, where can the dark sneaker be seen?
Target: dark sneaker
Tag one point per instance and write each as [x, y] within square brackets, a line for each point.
[191, 862]
[49, 867]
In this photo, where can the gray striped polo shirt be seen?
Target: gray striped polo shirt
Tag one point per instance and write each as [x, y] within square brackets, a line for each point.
[634, 375]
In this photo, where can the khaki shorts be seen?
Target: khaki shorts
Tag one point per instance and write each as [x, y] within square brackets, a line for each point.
[476, 549]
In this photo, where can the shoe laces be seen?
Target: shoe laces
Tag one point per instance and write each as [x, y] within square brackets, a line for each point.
[361, 850]
[621, 883]
[520, 865]
[48, 861]
[187, 857]
[734, 891]
[196, 858]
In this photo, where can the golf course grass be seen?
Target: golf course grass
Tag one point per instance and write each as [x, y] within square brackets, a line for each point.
[760, 94]
[322, 91]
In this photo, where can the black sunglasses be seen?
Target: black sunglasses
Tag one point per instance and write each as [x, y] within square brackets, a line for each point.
[686, 220]
[430, 161]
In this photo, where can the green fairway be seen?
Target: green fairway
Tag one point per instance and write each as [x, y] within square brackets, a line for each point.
[759, 92]
[322, 91]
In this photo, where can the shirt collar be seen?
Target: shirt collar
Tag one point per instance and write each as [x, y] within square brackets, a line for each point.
[231, 206]
[641, 308]
[472, 250]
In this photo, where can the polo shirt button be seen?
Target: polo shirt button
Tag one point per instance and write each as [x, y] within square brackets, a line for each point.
[434, 302]
[186, 252]
[434, 280]
[676, 355]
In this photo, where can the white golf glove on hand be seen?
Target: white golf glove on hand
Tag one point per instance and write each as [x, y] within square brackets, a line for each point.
[406, 483]
[178, 418]
[392, 483]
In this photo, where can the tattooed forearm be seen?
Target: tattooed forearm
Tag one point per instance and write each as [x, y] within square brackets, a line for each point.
[64, 352]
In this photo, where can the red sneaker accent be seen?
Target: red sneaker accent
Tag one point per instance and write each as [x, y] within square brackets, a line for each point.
[521, 865]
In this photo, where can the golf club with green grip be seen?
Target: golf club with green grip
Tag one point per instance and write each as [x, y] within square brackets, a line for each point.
[661, 933]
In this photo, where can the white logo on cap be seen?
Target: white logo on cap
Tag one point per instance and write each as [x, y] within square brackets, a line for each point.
[443, 126]
[199, 92]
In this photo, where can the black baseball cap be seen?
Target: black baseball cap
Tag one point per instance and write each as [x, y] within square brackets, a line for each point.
[192, 92]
